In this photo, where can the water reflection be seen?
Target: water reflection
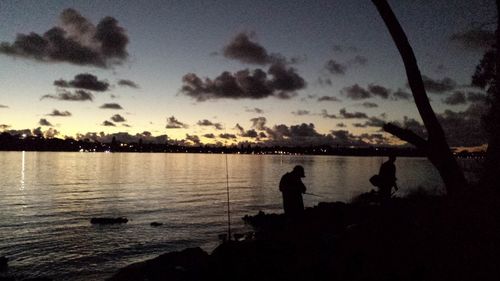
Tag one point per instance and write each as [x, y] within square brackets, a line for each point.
[22, 169]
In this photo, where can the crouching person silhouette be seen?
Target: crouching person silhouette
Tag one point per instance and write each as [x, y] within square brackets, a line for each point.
[292, 188]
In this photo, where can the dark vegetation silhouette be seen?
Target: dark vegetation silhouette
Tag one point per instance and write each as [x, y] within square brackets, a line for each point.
[435, 147]
[487, 77]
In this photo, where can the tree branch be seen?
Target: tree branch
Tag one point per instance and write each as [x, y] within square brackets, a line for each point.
[406, 135]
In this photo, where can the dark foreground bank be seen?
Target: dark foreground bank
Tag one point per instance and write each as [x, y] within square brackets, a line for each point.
[415, 238]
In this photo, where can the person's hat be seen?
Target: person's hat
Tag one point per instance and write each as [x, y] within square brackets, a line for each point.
[299, 170]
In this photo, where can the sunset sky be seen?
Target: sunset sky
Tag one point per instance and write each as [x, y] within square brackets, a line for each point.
[297, 72]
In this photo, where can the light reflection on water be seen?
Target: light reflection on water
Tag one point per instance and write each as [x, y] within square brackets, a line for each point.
[45, 210]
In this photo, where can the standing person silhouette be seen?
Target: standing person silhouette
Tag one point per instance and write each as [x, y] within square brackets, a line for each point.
[387, 175]
[292, 188]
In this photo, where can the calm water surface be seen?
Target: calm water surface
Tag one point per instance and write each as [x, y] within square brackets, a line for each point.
[47, 199]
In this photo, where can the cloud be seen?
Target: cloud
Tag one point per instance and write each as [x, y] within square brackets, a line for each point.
[353, 115]
[56, 112]
[65, 95]
[245, 50]
[379, 91]
[458, 97]
[401, 95]
[335, 68]
[358, 60]
[123, 137]
[374, 122]
[355, 92]
[476, 97]
[3, 106]
[476, 38]
[325, 81]
[76, 40]
[301, 112]
[259, 123]
[206, 122]
[118, 118]
[343, 49]
[341, 125]
[50, 133]
[44, 122]
[111, 106]
[4, 127]
[85, 81]
[328, 98]
[439, 86]
[325, 114]
[128, 83]
[108, 123]
[193, 138]
[254, 110]
[283, 83]
[227, 136]
[464, 128]
[209, 136]
[369, 104]
[173, 123]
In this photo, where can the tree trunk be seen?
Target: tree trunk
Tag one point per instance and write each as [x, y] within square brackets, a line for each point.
[436, 147]
[492, 164]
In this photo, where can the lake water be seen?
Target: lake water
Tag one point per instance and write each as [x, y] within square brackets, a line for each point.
[47, 199]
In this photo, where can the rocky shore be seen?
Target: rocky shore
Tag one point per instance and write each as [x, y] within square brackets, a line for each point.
[415, 238]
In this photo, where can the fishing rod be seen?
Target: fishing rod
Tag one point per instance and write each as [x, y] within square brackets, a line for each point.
[312, 194]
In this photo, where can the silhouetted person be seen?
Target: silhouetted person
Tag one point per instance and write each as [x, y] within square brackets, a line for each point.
[387, 177]
[291, 187]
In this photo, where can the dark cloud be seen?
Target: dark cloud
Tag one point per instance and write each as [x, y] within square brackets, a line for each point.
[108, 123]
[206, 122]
[464, 128]
[369, 104]
[250, 134]
[128, 83]
[343, 49]
[85, 81]
[401, 95]
[328, 98]
[301, 112]
[325, 114]
[44, 122]
[283, 83]
[262, 135]
[193, 138]
[341, 125]
[118, 118]
[358, 60]
[375, 122]
[173, 123]
[227, 136]
[245, 50]
[259, 123]
[476, 97]
[458, 97]
[78, 95]
[111, 106]
[474, 38]
[335, 68]
[3, 106]
[379, 91]
[123, 137]
[76, 40]
[209, 136]
[352, 115]
[126, 125]
[325, 81]
[56, 112]
[356, 92]
[359, 125]
[4, 126]
[254, 110]
[439, 86]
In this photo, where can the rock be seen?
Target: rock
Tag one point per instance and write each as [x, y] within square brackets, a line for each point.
[189, 264]
[154, 224]
[108, 220]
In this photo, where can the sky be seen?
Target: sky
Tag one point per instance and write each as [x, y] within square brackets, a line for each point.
[269, 72]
